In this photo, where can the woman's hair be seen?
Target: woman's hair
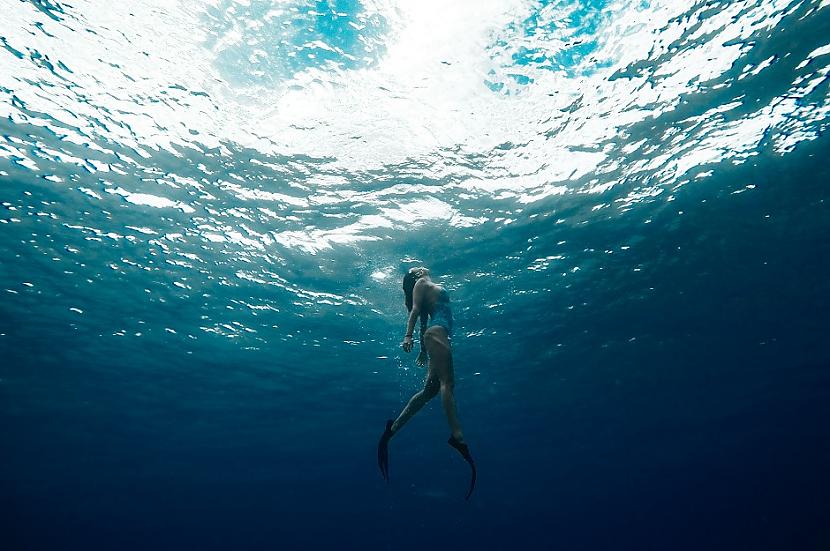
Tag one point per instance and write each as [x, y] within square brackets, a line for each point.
[408, 285]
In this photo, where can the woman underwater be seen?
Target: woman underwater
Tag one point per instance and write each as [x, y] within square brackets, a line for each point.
[424, 299]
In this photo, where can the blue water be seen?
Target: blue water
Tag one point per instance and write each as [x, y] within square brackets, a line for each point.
[208, 207]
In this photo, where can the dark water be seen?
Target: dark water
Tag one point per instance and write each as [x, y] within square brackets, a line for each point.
[208, 208]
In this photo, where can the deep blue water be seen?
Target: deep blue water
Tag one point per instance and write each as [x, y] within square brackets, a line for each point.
[208, 206]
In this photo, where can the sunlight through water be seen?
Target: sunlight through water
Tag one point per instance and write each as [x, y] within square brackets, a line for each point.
[243, 143]
[207, 208]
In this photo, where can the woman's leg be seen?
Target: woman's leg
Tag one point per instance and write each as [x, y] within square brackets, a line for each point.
[440, 363]
[448, 399]
[418, 400]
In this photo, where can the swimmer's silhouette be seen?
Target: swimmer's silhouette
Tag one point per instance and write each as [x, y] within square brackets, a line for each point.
[431, 303]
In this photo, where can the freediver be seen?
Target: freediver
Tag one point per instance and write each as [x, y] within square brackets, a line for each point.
[430, 302]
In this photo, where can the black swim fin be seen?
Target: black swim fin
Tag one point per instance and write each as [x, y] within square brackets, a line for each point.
[383, 450]
[465, 453]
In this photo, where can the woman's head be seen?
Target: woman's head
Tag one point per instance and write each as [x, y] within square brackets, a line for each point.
[413, 275]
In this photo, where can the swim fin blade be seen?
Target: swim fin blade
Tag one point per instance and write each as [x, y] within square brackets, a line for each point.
[383, 450]
[464, 450]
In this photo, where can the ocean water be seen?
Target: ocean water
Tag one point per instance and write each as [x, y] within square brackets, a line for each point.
[208, 207]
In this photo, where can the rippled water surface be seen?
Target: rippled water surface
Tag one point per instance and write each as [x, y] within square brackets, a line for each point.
[208, 206]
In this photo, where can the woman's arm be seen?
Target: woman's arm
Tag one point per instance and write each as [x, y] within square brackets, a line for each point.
[414, 314]
[417, 299]
[423, 357]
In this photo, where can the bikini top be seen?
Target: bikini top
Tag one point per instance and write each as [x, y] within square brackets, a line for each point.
[442, 301]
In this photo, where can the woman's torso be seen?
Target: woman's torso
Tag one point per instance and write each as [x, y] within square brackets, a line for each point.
[435, 298]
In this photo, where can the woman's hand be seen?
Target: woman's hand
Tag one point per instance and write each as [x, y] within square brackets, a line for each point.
[407, 343]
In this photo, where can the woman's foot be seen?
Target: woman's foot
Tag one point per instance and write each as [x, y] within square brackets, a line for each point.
[463, 449]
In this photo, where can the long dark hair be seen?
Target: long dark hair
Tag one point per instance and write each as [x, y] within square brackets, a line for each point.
[409, 281]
